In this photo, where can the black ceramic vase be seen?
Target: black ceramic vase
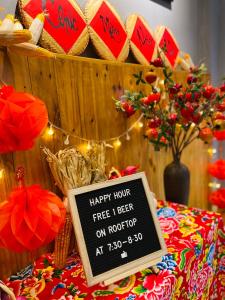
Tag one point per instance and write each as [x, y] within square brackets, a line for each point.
[177, 182]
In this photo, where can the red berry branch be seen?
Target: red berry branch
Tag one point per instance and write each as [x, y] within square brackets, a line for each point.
[176, 115]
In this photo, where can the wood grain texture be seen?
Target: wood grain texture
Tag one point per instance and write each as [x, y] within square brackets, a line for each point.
[78, 93]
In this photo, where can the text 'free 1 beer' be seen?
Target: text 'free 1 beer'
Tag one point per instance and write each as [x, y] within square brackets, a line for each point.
[116, 228]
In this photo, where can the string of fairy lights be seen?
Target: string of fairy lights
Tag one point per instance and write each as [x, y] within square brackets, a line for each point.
[116, 141]
[113, 142]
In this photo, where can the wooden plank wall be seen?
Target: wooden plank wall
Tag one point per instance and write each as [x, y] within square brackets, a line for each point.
[78, 93]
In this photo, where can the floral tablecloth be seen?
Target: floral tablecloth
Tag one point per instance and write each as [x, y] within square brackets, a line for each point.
[194, 267]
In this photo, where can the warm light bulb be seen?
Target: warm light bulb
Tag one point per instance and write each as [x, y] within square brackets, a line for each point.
[140, 124]
[108, 145]
[67, 141]
[1, 173]
[161, 84]
[214, 185]
[127, 137]
[89, 146]
[212, 151]
[117, 143]
[51, 130]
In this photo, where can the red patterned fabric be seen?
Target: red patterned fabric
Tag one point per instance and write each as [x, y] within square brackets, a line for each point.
[194, 267]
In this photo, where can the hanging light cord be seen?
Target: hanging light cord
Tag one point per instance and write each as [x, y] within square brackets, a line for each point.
[52, 125]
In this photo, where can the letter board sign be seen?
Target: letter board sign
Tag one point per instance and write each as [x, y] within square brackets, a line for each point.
[116, 228]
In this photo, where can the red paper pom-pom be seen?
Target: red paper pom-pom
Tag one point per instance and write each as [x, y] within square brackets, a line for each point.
[219, 135]
[22, 119]
[218, 198]
[31, 218]
[217, 169]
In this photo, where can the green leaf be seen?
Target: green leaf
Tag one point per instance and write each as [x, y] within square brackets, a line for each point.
[138, 290]
[103, 293]
[146, 272]
[124, 282]
[221, 234]
[46, 263]
[57, 273]
[195, 89]
[183, 258]
[39, 275]
[84, 295]
[164, 72]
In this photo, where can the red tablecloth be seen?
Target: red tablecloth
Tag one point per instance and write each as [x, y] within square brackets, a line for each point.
[193, 269]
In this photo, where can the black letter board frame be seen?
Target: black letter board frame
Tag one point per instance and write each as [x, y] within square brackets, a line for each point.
[129, 268]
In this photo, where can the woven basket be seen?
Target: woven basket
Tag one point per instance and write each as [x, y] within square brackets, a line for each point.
[71, 169]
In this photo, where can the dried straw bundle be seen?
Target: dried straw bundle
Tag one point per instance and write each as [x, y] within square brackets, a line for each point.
[96, 156]
[71, 169]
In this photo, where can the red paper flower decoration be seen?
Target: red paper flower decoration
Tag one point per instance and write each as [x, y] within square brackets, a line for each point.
[219, 135]
[129, 170]
[114, 173]
[22, 119]
[30, 218]
[217, 169]
[218, 198]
